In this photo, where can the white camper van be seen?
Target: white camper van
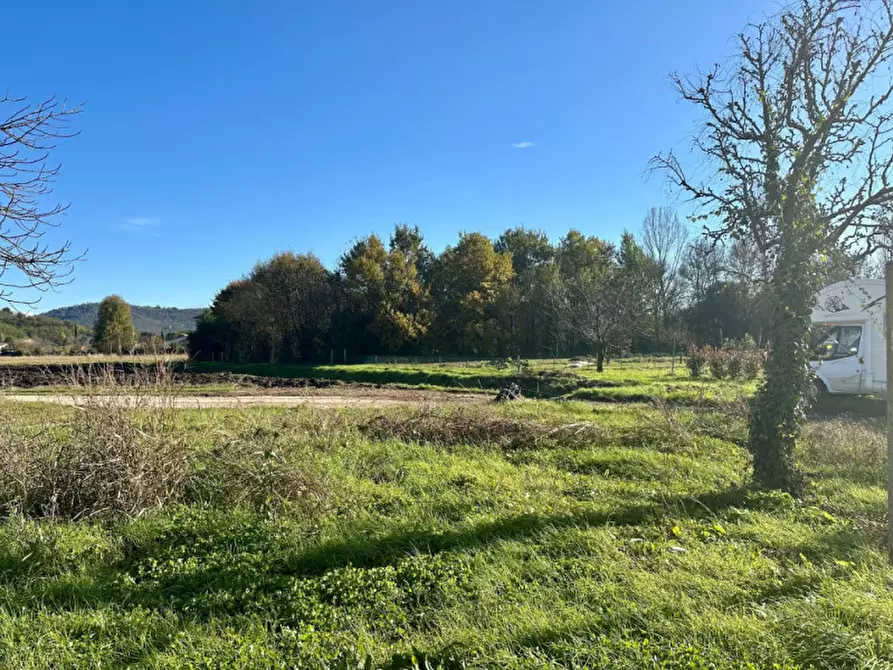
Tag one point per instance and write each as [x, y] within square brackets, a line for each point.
[850, 319]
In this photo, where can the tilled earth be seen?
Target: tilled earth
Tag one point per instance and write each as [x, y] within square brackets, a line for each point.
[30, 376]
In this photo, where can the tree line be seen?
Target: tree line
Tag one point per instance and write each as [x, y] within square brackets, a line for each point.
[516, 295]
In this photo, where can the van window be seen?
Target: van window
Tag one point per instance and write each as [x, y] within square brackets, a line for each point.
[841, 341]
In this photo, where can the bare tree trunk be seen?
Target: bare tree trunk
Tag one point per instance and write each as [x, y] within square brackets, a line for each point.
[599, 358]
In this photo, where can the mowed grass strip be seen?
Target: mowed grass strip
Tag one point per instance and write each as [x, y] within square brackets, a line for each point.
[534, 534]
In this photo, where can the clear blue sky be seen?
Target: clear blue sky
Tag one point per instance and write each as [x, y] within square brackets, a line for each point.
[216, 133]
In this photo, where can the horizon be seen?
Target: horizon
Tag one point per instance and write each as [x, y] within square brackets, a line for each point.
[226, 136]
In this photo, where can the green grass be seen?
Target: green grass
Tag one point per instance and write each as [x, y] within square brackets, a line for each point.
[536, 534]
[623, 380]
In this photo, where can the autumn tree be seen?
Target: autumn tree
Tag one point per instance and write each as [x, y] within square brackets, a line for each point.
[408, 240]
[385, 293]
[28, 134]
[796, 139]
[113, 331]
[471, 284]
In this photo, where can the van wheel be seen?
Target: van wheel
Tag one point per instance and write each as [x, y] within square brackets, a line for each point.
[816, 390]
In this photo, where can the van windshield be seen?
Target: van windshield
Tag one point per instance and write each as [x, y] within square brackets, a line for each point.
[839, 342]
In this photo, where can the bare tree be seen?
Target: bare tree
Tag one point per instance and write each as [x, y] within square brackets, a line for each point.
[602, 300]
[797, 138]
[664, 238]
[28, 133]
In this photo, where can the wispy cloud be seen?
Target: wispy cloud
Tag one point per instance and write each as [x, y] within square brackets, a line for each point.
[136, 224]
[524, 145]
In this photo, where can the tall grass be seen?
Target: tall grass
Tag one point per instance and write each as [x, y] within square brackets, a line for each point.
[121, 452]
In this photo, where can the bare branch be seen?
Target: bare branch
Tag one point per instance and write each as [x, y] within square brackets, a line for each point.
[28, 134]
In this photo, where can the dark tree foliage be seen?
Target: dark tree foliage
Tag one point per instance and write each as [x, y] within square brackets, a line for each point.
[517, 295]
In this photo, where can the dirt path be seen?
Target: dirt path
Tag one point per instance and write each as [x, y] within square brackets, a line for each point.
[379, 398]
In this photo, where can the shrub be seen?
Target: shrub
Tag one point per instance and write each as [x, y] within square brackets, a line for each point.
[717, 361]
[734, 362]
[752, 363]
[111, 459]
[254, 470]
[696, 360]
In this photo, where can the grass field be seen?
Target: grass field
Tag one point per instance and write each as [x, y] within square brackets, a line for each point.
[535, 534]
[624, 380]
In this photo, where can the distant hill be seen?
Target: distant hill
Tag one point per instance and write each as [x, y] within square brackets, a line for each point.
[145, 319]
[28, 331]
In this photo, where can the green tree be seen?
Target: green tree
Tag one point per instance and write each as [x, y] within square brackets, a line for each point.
[113, 331]
[295, 301]
[471, 286]
[796, 130]
[387, 298]
[281, 312]
[531, 255]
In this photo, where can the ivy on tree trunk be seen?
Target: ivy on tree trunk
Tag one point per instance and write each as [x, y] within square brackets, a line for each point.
[779, 408]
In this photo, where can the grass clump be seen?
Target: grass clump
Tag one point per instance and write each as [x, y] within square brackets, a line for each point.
[476, 426]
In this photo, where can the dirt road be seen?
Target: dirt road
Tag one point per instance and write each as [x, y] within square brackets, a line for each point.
[376, 398]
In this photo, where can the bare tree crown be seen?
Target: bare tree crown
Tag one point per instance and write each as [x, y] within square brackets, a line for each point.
[28, 133]
[798, 127]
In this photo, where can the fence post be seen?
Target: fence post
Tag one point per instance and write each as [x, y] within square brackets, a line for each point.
[889, 342]
[673, 357]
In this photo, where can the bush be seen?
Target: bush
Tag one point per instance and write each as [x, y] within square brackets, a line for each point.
[110, 460]
[718, 361]
[752, 363]
[696, 360]
[740, 361]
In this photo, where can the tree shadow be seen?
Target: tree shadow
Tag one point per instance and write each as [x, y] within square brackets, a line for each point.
[831, 406]
[270, 565]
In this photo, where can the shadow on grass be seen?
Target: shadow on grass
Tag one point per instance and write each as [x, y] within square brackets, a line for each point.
[828, 406]
[263, 560]
[263, 573]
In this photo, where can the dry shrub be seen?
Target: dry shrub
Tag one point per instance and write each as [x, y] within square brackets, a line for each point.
[468, 426]
[118, 455]
[123, 453]
[660, 429]
[851, 446]
[257, 468]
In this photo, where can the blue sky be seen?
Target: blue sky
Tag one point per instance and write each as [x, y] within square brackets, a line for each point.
[217, 133]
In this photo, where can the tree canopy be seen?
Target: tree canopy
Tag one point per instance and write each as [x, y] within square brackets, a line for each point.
[520, 294]
[113, 331]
